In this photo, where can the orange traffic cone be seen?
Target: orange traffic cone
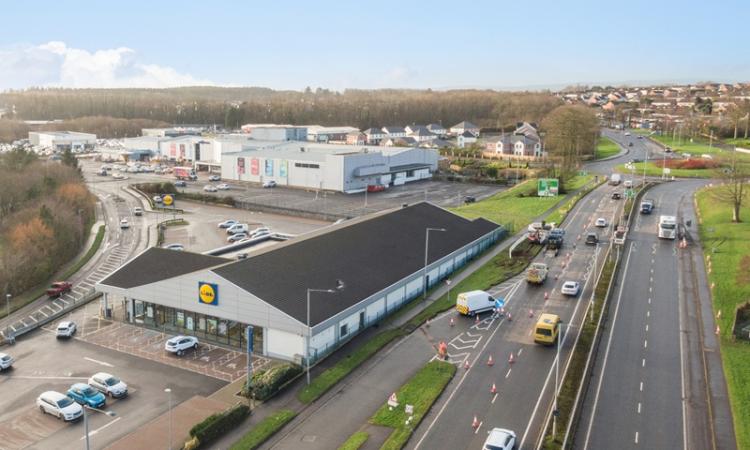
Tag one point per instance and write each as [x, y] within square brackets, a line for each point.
[718, 330]
[510, 318]
[466, 364]
[493, 389]
[531, 313]
[511, 358]
[546, 295]
[475, 423]
[427, 323]
[452, 322]
[490, 361]
[476, 321]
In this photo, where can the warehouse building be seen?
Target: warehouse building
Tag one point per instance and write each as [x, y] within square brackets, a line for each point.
[380, 259]
[63, 140]
[343, 168]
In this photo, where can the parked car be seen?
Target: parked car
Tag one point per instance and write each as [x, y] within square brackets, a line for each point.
[242, 256]
[259, 231]
[627, 184]
[85, 395]
[59, 288]
[592, 238]
[260, 234]
[178, 247]
[470, 199]
[570, 288]
[102, 173]
[227, 223]
[616, 196]
[124, 224]
[118, 176]
[108, 385]
[214, 178]
[627, 134]
[237, 237]
[500, 439]
[59, 405]
[667, 149]
[237, 228]
[640, 137]
[180, 183]
[137, 211]
[156, 198]
[6, 361]
[223, 187]
[179, 344]
[209, 188]
[269, 184]
[630, 144]
[601, 222]
[66, 329]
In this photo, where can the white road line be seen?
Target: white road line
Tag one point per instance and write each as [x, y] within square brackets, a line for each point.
[508, 374]
[643, 362]
[30, 377]
[636, 437]
[606, 353]
[649, 300]
[641, 388]
[648, 313]
[91, 433]
[33, 318]
[645, 343]
[494, 397]
[98, 362]
[475, 431]
[682, 361]
[520, 351]
[646, 328]
[639, 407]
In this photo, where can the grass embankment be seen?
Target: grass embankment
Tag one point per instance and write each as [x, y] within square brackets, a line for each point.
[264, 430]
[683, 145]
[739, 142]
[656, 169]
[517, 206]
[421, 391]
[606, 148]
[729, 272]
[355, 441]
[28, 297]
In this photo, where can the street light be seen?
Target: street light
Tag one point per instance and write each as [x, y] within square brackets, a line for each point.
[86, 420]
[557, 376]
[169, 402]
[339, 286]
[7, 316]
[426, 249]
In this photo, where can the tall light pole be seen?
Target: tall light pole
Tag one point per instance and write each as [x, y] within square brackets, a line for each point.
[169, 402]
[557, 376]
[426, 249]
[86, 420]
[339, 286]
[7, 317]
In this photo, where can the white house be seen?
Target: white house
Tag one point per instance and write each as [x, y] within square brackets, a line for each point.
[394, 132]
[466, 139]
[460, 128]
[375, 135]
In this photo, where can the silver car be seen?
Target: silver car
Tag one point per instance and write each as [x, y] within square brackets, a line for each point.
[59, 405]
[500, 439]
[108, 385]
[6, 361]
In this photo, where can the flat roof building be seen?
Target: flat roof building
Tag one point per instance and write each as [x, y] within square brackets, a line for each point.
[63, 140]
[380, 258]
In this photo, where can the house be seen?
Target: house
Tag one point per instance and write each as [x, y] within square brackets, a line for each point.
[406, 141]
[356, 138]
[436, 143]
[524, 141]
[374, 135]
[466, 139]
[609, 106]
[420, 133]
[437, 129]
[394, 132]
[460, 128]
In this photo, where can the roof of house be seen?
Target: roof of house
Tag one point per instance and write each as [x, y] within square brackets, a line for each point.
[468, 134]
[156, 264]
[368, 254]
[422, 131]
[435, 126]
[370, 131]
[465, 125]
[393, 130]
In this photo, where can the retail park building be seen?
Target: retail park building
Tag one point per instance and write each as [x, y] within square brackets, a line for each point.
[380, 258]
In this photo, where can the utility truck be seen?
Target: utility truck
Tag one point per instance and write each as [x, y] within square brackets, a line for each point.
[537, 273]
[474, 302]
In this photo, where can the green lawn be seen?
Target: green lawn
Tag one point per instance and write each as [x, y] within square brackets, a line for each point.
[729, 268]
[655, 170]
[421, 391]
[683, 145]
[739, 142]
[606, 148]
[517, 206]
[355, 441]
[263, 430]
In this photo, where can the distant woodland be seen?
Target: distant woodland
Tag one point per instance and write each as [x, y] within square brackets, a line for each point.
[92, 110]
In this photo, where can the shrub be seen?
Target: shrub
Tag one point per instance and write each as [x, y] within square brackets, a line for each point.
[266, 383]
[157, 188]
[216, 425]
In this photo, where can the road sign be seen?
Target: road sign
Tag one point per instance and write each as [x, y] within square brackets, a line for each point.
[167, 199]
[667, 171]
[499, 303]
[547, 187]
[629, 193]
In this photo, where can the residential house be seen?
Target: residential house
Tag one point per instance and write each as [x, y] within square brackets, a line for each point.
[437, 129]
[356, 138]
[394, 132]
[399, 142]
[460, 128]
[524, 141]
[466, 139]
[374, 136]
[420, 133]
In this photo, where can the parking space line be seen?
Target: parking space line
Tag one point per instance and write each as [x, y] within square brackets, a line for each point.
[93, 432]
[98, 362]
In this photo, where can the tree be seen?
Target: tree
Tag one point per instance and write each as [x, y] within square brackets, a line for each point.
[735, 114]
[570, 132]
[733, 191]
[68, 159]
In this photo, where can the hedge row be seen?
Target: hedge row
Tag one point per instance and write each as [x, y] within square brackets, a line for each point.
[266, 383]
[216, 425]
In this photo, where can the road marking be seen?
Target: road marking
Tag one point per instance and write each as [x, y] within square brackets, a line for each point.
[652, 260]
[649, 300]
[636, 437]
[32, 377]
[645, 343]
[91, 433]
[648, 313]
[494, 397]
[520, 351]
[606, 353]
[641, 388]
[646, 328]
[651, 280]
[639, 407]
[643, 362]
[650, 289]
[33, 318]
[508, 374]
[98, 362]
[480, 426]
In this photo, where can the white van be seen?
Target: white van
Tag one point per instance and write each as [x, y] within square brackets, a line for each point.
[474, 302]
[615, 179]
[237, 228]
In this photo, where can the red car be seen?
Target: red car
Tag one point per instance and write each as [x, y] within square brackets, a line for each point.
[375, 188]
[59, 288]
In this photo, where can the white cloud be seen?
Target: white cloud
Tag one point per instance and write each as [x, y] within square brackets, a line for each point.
[56, 64]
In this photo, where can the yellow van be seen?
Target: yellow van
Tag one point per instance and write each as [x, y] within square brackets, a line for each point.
[547, 329]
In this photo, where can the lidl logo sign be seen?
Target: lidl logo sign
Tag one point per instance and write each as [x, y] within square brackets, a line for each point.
[167, 200]
[208, 293]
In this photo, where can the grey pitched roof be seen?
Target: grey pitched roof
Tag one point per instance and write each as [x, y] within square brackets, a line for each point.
[368, 254]
[156, 264]
[391, 130]
[464, 125]
[370, 131]
[435, 126]
[422, 132]
[468, 134]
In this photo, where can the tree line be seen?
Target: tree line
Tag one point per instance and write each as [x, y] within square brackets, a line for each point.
[45, 215]
[103, 127]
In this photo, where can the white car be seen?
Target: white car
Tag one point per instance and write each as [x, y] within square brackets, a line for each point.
[118, 176]
[108, 385]
[178, 247]
[223, 187]
[237, 237]
[260, 234]
[137, 211]
[6, 361]
[124, 224]
[237, 228]
[601, 222]
[179, 344]
[269, 184]
[66, 329]
[209, 188]
[570, 288]
[214, 178]
[227, 223]
[500, 439]
[259, 230]
[156, 199]
[59, 405]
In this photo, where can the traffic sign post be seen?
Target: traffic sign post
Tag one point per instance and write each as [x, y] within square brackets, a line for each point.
[547, 187]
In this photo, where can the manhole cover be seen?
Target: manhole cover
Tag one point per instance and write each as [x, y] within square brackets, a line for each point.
[309, 438]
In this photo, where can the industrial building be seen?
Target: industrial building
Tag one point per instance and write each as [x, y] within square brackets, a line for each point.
[380, 259]
[343, 168]
[63, 140]
[273, 132]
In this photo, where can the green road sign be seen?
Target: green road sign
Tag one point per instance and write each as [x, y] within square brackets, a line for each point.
[629, 193]
[547, 187]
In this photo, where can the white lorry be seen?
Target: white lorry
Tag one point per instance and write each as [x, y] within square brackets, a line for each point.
[474, 302]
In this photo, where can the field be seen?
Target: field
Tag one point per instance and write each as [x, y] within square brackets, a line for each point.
[732, 288]
[606, 148]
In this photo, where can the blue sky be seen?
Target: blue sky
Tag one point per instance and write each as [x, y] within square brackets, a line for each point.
[290, 45]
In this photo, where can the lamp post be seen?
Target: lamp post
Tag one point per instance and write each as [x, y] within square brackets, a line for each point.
[7, 316]
[86, 420]
[169, 402]
[557, 376]
[339, 286]
[426, 249]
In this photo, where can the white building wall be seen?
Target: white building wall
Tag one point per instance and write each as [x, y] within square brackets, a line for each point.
[376, 310]
[323, 341]
[282, 344]
[349, 326]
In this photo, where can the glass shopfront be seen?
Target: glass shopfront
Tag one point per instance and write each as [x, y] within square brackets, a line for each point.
[206, 328]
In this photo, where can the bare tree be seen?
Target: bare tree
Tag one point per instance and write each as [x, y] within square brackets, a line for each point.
[735, 177]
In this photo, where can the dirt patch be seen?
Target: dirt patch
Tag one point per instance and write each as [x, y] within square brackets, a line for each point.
[743, 275]
[691, 164]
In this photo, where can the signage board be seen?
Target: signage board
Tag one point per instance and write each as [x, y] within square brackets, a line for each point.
[208, 293]
[547, 187]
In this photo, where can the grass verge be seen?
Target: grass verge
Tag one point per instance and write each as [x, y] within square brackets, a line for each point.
[739, 142]
[606, 148]
[655, 170]
[421, 391]
[355, 441]
[264, 430]
[29, 296]
[732, 288]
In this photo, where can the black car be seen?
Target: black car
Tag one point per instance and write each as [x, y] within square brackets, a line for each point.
[180, 184]
[469, 199]
[630, 144]
[616, 196]
[592, 238]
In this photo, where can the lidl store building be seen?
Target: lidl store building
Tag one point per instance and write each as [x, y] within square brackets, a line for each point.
[380, 258]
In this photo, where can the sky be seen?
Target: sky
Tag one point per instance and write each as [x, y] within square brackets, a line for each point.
[388, 44]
